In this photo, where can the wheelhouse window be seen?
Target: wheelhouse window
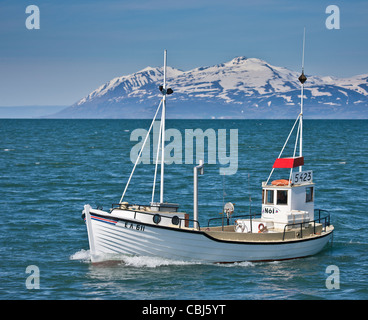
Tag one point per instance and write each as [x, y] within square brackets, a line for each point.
[282, 196]
[269, 196]
[309, 194]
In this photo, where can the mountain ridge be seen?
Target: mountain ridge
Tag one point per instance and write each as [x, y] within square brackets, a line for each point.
[239, 88]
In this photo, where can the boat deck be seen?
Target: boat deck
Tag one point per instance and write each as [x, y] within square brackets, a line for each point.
[228, 233]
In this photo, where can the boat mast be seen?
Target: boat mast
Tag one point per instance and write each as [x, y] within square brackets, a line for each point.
[163, 133]
[294, 161]
[164, 92]
[302, 79]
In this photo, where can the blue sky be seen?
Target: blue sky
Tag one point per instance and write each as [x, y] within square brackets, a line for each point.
[81, 44]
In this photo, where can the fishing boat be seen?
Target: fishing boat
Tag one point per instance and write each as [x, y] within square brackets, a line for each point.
[288, 226]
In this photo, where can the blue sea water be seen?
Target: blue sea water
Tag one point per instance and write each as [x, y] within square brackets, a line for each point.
[51, 168]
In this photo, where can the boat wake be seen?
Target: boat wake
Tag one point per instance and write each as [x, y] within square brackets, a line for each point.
[148, 262]
[153, 262]
[129, 261]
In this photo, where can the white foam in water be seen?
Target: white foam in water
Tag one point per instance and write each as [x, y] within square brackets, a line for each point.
[245, 264]
[131, 261]
[83, 255]
[145, 261]
[152, 262]
[239, 264]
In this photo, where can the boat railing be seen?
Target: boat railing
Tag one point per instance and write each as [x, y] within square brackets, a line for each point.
[244, 216]
[121, 206]
[139, 209]
[195, 222]
[324, 220]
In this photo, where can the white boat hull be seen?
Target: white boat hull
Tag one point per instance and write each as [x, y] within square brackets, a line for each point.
[110, 235]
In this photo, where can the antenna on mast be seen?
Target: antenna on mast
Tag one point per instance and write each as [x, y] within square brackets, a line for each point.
[303, 51]
[302, 79]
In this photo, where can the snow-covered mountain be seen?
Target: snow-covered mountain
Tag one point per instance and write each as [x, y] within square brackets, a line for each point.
[240, 88]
